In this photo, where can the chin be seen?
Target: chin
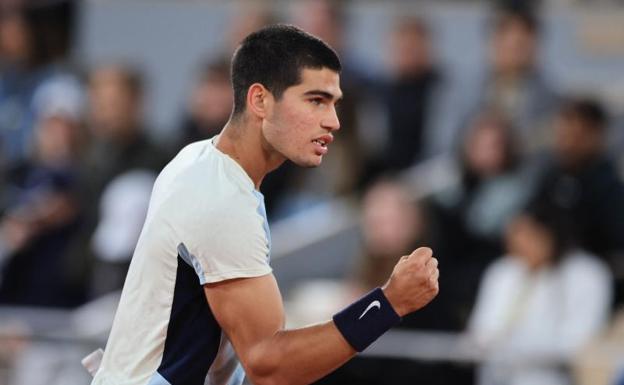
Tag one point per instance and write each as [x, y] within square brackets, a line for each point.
[308, 163]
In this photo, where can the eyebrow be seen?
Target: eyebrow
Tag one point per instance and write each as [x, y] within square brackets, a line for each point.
[324, 94]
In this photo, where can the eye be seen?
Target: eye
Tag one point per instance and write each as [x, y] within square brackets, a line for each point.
[317, 101]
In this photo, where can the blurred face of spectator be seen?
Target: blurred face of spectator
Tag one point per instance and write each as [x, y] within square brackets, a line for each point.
[56, 140]
[531, 242]
[115, 107]
[320, 18]
[15, 38]
[211, 101]
[575, 140]
[410, 51]
[513, 47]
[249, 18]
[486, 147]
[391, 221]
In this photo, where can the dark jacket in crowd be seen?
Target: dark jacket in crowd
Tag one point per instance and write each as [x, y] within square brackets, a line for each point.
[591, 201]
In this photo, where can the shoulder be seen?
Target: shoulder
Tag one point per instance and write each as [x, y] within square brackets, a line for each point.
[585, 264]
[205, 202]
[207, 199]
[199, 169]
[505, 273]
[505, 265]
[587, 280]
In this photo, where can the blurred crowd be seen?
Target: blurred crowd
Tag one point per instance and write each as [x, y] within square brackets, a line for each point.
[528, 228]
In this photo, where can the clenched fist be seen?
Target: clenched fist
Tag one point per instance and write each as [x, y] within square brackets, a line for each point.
[414, 281]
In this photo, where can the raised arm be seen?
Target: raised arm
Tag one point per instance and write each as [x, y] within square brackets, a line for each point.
[251, 313]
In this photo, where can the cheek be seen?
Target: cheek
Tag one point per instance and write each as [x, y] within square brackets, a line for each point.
[300, 119]
[294, 124]
[278, 131]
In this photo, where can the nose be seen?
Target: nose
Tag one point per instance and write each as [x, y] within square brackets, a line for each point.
[331, 121]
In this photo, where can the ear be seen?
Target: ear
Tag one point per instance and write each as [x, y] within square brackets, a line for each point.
[258, 100]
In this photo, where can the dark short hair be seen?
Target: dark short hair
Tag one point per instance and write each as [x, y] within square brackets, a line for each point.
[557, 222]
[274, 57]
[587, 110]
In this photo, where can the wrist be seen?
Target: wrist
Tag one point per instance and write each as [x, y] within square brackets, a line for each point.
[367, 319]
[393, 302]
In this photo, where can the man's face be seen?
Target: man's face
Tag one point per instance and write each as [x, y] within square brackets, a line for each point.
[114, 110]
[531, 242]
[513, 48]
[574, 141]
[410, 51]
[211, 101]
[299, 126]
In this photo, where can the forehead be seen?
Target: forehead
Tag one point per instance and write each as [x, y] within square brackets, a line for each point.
[325, 80]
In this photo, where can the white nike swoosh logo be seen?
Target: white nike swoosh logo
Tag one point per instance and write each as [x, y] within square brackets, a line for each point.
[373, 304]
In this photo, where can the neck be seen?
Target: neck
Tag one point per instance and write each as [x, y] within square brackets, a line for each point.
[242, 140]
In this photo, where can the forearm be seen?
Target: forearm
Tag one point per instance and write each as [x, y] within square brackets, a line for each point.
[272, 355]
[299, 356]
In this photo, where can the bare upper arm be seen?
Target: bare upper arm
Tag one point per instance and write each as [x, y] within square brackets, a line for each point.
[249, 310]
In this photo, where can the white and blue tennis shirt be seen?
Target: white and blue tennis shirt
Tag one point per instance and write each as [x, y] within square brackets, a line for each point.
[206, 223]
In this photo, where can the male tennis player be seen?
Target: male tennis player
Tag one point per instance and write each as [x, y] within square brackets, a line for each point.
[199, 299]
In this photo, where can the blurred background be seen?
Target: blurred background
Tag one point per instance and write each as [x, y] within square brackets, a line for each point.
[491, 131]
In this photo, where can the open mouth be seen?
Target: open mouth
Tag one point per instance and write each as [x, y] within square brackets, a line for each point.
[320, 142]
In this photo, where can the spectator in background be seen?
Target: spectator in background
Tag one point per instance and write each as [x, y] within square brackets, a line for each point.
[247, 18]
[209, 105]
[119, 145]
[17, 83]
[122, 210]
[412, 97]
[35, 40]
[42, 214]
[392, 225]
[119, 139]
[539, 304]
[615, 138]
[468, 218]
[582, 181]
[514, 85]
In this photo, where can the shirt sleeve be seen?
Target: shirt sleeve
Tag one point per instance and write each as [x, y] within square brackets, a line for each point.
[228, 242]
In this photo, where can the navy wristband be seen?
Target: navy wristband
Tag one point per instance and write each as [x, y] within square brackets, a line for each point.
[365, 320]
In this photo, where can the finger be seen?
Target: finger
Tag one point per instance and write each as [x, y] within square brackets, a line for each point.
[436, 287]
[432, 263]
[422, 254]
[434, 277]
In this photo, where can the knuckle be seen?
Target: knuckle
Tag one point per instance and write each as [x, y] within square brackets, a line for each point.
[422, 252]
[425, 252]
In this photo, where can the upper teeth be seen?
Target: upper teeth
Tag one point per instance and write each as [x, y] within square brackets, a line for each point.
[320, 141]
